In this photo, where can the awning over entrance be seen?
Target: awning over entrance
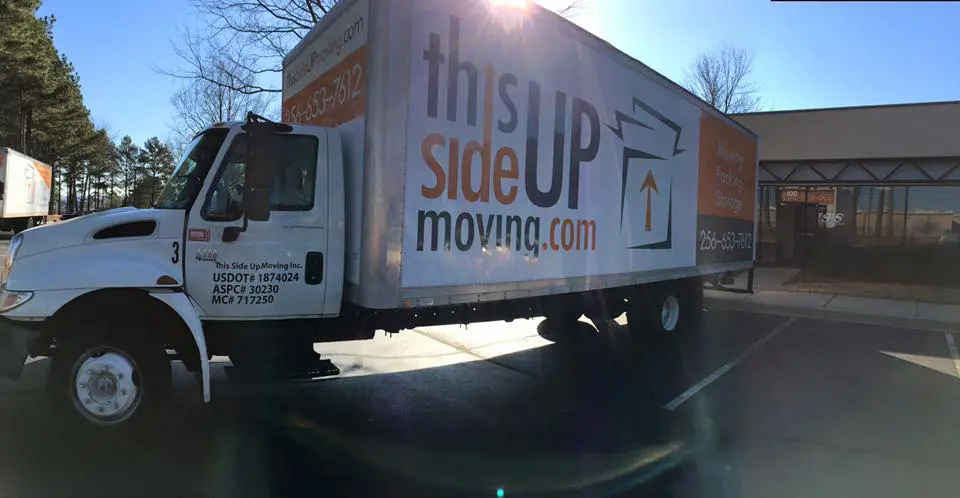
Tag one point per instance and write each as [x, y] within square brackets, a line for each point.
[909, 144]
[925, 171]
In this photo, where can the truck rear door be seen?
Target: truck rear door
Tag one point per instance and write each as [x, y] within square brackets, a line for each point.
[272, 269]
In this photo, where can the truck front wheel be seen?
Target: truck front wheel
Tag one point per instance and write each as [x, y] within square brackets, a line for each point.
[111, 380]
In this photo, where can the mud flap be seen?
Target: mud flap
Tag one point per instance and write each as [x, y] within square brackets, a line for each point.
[16, 339]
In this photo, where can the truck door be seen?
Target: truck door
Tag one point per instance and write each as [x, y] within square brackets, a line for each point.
[272, 269]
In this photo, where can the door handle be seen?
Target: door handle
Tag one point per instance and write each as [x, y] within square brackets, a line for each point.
[313, 268]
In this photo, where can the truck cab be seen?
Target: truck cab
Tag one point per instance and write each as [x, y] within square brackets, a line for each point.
[286, 265]
[250, 227]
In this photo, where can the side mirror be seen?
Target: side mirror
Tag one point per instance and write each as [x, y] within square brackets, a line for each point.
[259, 172]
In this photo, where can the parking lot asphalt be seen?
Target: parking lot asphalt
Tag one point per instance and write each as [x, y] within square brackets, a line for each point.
[774, 405]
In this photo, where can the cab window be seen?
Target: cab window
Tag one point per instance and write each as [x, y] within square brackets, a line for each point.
[293, 184]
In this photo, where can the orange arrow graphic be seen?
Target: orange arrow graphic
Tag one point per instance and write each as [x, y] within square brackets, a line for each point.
[650, 185]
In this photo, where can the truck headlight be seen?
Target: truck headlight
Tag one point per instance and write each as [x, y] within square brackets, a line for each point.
[12, 299]
[12, 250]
[14, 246]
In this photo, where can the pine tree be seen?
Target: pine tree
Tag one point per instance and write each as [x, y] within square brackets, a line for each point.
[157, 160]
[128, 154]
[41, 105]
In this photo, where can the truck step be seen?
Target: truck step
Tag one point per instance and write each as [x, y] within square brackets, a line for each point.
[317, 368]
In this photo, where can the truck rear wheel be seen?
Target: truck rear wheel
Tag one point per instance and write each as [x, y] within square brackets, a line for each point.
[109, 379]
[667, 309]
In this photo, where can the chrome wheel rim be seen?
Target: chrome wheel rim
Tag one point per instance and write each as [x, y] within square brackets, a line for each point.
[670, 313]
[104, 388]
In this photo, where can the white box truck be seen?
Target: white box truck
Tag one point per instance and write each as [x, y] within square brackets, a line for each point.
[24, 190]
[441, 162]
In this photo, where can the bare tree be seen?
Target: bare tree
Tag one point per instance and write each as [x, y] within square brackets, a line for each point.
[722, 78]
[203, 101]
[267, 30]
[572, 8]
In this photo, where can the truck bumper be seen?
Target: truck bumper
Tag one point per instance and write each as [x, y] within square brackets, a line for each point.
[16, 340]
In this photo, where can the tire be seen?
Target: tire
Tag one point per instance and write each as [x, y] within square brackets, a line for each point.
[109, 379]
[560, 329]
[30, 223]
[561, 319]
[657, 345]
[20, 225]
[667, 309]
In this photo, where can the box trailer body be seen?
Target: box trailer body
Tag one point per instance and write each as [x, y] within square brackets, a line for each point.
[24, 191]
[496, 154]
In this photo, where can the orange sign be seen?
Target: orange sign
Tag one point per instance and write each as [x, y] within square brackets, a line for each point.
[795, 195]
[46, 174]
[728, 170]
[336, 97]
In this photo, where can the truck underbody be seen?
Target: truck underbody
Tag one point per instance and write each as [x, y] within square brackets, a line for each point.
[285, 349]
[17, 225]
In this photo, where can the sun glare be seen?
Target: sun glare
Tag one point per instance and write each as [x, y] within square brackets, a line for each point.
[522, 4]
[507, 15]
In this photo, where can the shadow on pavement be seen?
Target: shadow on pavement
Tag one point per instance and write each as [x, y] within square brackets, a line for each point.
[833, 408]
[837, 382]
[564, 420]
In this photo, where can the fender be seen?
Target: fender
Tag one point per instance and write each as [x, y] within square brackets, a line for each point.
[183, 306]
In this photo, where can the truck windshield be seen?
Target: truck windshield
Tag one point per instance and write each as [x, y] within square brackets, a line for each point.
[185, 183]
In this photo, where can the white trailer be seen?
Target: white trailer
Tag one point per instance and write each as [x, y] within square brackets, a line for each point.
[442, 162]
[24, 190]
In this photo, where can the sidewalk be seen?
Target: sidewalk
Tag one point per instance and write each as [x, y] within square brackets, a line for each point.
[770, 293]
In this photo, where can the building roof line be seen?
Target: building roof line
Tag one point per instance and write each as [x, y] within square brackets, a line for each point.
[852, 108]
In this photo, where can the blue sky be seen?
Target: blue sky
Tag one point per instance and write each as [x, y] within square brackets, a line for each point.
[808, 54]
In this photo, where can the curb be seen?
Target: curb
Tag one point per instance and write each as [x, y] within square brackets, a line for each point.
[713, 303]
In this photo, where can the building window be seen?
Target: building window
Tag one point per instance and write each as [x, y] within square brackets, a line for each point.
[767, 225]
[933, 215]
[880, 215]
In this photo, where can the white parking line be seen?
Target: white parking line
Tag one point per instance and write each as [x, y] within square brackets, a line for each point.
[952, 346]
[689, 393]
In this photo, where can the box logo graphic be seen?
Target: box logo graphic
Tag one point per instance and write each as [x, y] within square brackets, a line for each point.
[650, 142]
